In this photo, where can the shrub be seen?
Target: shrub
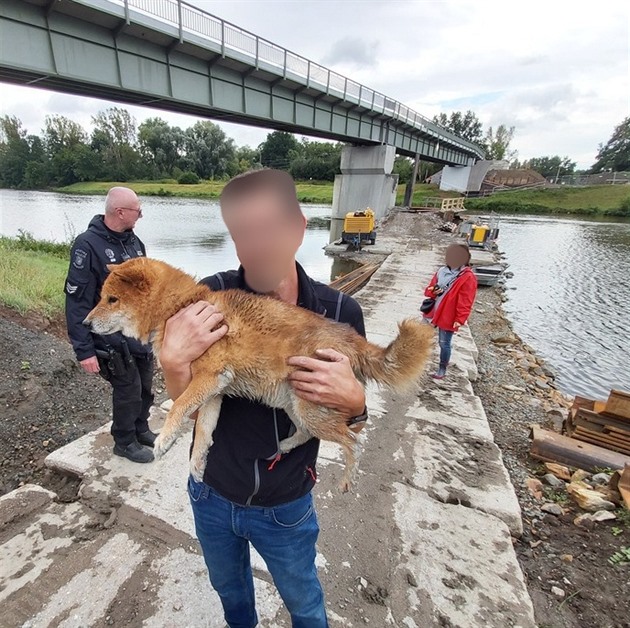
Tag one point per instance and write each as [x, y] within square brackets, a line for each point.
[188, 178]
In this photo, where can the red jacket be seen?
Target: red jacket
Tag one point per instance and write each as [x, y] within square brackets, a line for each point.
[457, 302]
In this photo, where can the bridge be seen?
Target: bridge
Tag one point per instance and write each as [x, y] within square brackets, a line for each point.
[171, 55]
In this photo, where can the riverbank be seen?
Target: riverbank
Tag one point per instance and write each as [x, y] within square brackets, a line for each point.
[596, 200]
[569, 576]
[32, 273]
[602, 200]
[307, 191]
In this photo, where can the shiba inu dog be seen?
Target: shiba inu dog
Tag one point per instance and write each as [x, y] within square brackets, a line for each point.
[140, 295]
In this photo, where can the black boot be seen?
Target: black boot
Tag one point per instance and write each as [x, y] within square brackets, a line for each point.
[146, 438]
[134, 452]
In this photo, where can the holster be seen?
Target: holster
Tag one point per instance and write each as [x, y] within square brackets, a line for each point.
[113, 362]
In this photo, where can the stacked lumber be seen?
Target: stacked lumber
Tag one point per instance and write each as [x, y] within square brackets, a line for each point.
[354, 280]
[603, 423]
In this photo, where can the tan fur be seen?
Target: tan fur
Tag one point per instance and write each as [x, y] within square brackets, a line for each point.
[140, 295]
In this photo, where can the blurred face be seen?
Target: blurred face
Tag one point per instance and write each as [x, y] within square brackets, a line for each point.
[267, 234]
[456, 256]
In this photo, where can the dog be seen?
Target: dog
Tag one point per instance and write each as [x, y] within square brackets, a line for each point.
[250, 361]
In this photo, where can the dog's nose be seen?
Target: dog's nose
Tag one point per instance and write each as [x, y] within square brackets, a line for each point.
[87, 323]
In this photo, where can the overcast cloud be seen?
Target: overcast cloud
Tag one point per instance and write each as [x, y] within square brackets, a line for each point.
[557, 71]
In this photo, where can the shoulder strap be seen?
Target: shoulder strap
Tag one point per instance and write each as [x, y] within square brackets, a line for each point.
[338, 310]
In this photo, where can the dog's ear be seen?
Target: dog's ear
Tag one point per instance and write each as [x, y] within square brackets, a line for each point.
[131, 274]
[110, 268]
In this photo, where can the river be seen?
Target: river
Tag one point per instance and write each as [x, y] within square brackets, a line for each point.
[569, 298]
[187, 233]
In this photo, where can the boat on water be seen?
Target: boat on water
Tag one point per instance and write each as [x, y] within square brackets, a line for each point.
[488, 275]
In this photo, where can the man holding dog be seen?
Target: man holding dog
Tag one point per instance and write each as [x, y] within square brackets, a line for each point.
[249, 493]
[124, 362]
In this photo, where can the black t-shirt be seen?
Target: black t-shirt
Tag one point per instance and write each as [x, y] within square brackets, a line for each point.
[242, 464]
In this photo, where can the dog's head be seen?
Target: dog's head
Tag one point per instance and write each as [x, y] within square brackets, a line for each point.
[125, 303]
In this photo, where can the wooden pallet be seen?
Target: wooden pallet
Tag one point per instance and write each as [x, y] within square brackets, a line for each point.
[594, 422]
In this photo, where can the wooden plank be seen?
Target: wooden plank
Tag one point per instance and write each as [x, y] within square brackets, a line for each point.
[601, 419]
[551, 447]
[600, 442]
[618, 404]
[606, 440]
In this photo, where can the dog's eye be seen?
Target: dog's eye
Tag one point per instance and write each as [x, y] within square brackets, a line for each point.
[112, 299]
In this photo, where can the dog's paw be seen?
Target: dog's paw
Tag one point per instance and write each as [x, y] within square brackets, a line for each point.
[285, 446]
[345, 486]
[161, 446]
[197, 467]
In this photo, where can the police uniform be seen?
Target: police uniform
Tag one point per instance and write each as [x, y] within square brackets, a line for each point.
[125, 363]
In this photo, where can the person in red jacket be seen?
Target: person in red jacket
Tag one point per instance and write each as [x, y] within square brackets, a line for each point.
[454, 288]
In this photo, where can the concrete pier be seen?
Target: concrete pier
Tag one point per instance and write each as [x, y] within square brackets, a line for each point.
[366, 180]
[424, 540]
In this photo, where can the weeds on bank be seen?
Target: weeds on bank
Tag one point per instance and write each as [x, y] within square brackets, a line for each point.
[32, 273]
[622, 557]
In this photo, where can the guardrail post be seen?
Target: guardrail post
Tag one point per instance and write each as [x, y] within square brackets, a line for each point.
[180, 21]
[285, 63]
[308, 74]
[223, 38]
[257, 42]
[127, 21]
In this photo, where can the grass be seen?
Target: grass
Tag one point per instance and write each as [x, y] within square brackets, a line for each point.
[310, 192]
[32, 273]
[320, 192]
[613, 200]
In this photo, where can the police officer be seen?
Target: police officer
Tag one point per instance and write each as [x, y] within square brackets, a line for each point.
[124, 362]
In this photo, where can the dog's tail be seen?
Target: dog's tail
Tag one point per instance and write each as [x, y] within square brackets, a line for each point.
[399, 365]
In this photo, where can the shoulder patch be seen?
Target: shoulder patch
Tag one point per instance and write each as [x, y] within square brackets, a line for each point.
[78, 259]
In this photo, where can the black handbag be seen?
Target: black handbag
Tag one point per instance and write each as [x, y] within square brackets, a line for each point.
[427, 305]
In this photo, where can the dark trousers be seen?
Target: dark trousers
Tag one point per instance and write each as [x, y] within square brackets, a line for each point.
[131, 398]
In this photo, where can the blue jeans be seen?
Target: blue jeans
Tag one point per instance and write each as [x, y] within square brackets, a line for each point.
[445, 339]
[284, 536]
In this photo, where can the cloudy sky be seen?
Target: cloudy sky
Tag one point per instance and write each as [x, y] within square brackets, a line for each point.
[558, 71]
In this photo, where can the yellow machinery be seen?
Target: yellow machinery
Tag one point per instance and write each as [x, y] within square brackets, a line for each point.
[478, 235]
[358, 228]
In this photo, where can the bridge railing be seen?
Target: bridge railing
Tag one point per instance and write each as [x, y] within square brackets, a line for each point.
[190, 19]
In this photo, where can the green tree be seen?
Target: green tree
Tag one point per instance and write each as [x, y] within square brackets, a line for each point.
[403, 167]
[66, 147]
[114, 137]
[275, 150]
[208, 151]
[319, 161]
[465, 125]
[161, 145]
[615, 154]
[497, 143]
[551, 167]
[15, 152]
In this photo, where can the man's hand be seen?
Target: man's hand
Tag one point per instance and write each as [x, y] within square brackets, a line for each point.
[90, 365]
[456, 326]
[189, 333]
[328, 381]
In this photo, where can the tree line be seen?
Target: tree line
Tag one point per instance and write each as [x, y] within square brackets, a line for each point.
[117, 149]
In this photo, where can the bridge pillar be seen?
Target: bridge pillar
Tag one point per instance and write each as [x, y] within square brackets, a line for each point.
[366, 180]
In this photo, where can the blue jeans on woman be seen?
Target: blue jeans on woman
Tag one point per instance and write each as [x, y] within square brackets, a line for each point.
[284, 536]
[445, 339]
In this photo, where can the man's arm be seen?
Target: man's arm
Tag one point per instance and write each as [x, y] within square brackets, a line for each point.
[81, 290]
[329, 380]
[188, 334]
